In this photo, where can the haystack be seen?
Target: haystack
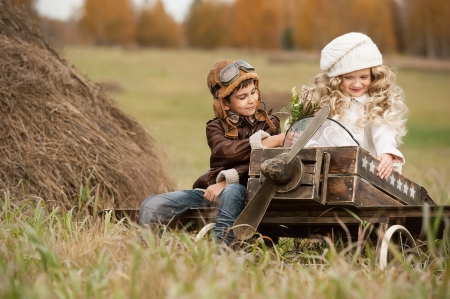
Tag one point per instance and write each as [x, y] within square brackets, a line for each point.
[60, 132]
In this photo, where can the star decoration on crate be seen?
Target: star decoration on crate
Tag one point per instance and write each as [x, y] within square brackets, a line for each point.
[392, 180]
[372, 167]
[412, 192]
[399, 184]
[405, 189]
[365, 162]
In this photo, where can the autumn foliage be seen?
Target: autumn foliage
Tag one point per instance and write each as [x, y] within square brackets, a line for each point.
[108, 22]
[156, 28]
[417, 27]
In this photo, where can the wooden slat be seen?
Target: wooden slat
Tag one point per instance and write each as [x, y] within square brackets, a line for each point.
[253, 185]
[397, 185]
[370, 196]
[340, 190]
[318, 167]
[302, 192]
[343, 159]
[307, 179]
[324, 177]
[310, 168]
[255, 162]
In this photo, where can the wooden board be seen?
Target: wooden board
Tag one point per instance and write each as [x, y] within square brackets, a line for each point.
[357, 161]
[354, 190]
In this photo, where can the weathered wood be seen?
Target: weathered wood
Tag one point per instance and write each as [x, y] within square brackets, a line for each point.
[324, 177]
[396, 185]
[306, 179]
[302, 193]
[253, 185]
[369, 196]
[255, 162]
[355, 160]
[306, 154]
[318, 173]
[357, 191]
[343, 159]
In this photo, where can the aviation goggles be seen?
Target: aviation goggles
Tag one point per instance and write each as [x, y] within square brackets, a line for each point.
[231, 73]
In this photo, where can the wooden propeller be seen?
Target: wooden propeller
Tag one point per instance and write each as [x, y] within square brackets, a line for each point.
[282, 173]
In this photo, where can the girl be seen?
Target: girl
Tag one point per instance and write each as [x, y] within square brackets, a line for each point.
[363, 97]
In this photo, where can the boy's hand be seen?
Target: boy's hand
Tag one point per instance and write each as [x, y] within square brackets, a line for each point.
[386, 166]
[273, 141]
[213, 191]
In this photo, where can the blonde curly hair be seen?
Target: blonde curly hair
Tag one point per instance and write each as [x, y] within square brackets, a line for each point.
[385, 105]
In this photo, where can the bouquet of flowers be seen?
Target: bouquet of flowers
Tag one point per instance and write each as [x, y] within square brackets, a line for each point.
[299, 107]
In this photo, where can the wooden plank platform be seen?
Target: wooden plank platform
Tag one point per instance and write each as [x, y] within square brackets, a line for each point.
[299, 221]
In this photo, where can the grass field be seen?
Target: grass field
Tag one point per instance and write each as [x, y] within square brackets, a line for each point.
[46, 252]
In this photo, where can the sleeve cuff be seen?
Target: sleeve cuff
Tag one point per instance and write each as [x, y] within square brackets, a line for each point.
[399, 160]
[231, 176]
[255, 139]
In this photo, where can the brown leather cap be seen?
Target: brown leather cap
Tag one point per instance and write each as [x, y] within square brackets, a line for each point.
[213, 81]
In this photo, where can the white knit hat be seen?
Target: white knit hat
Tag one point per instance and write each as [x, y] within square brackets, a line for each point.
[348, 53]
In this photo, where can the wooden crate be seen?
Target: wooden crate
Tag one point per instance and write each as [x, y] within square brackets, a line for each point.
[311, 184]
[348, 178]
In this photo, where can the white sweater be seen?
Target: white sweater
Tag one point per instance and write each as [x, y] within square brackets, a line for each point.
[375, 139]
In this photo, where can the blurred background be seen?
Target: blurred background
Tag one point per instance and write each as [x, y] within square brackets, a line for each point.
[152, 57]
[416, 27]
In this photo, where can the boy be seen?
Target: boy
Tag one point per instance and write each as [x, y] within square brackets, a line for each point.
[238, 127]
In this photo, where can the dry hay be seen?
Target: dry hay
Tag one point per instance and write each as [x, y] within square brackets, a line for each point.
[58, 128]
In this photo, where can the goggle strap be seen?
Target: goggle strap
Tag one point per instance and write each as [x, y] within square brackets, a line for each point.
[215, 89]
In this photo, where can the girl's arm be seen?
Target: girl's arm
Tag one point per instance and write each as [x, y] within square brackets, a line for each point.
[383, 138]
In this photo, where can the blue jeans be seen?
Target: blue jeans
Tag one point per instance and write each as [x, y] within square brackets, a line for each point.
[161, 208]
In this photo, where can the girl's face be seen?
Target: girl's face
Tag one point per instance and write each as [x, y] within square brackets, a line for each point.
[243, 101]
[356, 83]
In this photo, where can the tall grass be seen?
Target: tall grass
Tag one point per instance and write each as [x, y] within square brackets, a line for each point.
[49, 253]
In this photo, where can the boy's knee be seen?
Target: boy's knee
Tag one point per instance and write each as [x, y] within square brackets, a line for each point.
[234, 190]
[147, 211]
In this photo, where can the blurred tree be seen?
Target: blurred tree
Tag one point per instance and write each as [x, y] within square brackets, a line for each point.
[107, 22]
[256, 24]
[287, 42]
[155, 28]
[320, 21]
[428, 28]
[399, 9]
[207, 25]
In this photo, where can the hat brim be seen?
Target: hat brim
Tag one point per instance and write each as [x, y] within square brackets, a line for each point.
[244, 76]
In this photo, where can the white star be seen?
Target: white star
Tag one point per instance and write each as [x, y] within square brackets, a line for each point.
[405, 189]
[392, 180]
[372, 167]
[412, 192]
[399, 184]
[364, 161]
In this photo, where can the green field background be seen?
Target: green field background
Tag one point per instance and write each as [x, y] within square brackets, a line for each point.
[166, 92]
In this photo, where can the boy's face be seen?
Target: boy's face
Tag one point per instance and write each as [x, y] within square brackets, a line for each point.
[356, 83]
[243, 101]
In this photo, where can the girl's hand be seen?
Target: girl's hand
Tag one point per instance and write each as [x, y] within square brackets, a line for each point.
[213, 191]
[291, 138]
[386, 166]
